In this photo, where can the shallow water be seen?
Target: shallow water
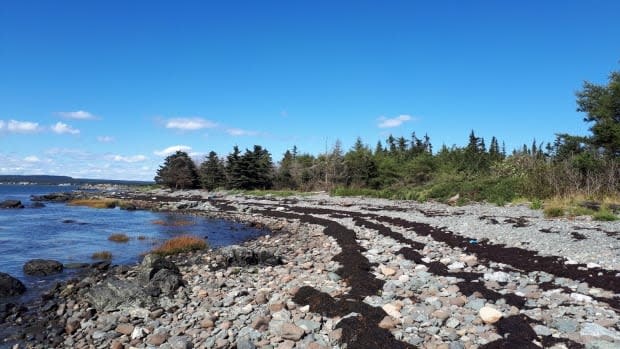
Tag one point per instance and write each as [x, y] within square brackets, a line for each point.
[71, 234]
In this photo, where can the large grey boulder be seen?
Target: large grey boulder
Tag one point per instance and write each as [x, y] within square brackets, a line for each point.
[11, 204]
[113, 294]
[10, 286]
[42, 267]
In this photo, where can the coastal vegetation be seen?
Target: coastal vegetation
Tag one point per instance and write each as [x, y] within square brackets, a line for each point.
[414, 169]
[95, 203]
[118, 237]
[102, 255]
[180, 244]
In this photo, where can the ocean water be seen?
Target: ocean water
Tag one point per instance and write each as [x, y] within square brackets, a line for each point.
[71, 234]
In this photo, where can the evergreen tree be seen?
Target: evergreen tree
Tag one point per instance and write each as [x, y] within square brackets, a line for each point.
[178, 172]
[601, 103]
[360, 166]
[212, 172]
[233, 171]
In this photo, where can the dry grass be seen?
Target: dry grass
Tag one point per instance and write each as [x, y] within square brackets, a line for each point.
[118, 237]
[174, 223]
[95, 203]
[180, 244]
[102, 255]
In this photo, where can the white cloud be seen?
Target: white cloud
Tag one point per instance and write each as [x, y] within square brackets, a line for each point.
[76, 115]
[14, 126]
[240, 132]
[128, 159]
[189, 124]
[62, 128]
[393, 122]
[105, 139]
[172, 149]
[31, 159]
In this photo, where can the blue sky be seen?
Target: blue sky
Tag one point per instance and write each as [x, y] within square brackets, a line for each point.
[106, 89]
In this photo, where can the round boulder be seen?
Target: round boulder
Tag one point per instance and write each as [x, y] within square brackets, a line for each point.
[10, 286]
[42, 267]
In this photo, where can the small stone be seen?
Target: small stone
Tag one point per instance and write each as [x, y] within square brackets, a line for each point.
[387, 271]
[392, 310]
[261, 323]
[489, 315]
[72, 325]
[387, 323]
[291, 331]
[125, 329]
[137, 333]
[156, 339]
[542, 330]
[116, 345]
[207, 323]
[456, 265]
[261, 298]
[180, 342]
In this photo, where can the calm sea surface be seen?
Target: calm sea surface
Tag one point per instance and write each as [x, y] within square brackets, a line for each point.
[44, 233]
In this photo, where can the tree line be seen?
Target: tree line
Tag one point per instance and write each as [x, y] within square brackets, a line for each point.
[411, 168]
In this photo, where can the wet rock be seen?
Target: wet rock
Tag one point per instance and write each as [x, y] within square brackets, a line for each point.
[10, 286]
[42, 267]
[11, 204]
[166, 281]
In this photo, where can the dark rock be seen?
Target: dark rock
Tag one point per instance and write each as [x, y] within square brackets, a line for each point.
[101, 266]
[166, 280]
[128, 206]
[76, 265]
[42, 267]
[11, 204]
[37, 205]
[241, 256]
[153, 263]
[10, 286]
[54, 197]
[113, 294]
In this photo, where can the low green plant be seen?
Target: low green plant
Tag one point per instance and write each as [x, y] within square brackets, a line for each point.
[536, 204]
[604, 215]
[553, 211]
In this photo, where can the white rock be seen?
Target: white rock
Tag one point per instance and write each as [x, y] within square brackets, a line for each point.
[387, 271]
[489, 315]
[456, 265]
[392, 310]
[593, 265]
[582, 298]
[498, 276]
[137, 333]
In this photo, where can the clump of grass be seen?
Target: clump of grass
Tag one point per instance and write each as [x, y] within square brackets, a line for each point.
[141, 237]
[174, 223]
[604, 215]
[180, 244]
[95, 203]
[102, 255]
[536, 204]
[118, 237]
[553, 211]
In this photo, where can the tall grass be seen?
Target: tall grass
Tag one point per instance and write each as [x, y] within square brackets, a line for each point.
[94, 203]
[180, 244]
[118, 237]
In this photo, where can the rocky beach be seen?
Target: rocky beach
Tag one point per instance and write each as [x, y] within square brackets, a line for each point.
[346, 273]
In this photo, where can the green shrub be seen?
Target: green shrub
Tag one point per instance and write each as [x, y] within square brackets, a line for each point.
[604, 215]
[553, 211]
[536, 204]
